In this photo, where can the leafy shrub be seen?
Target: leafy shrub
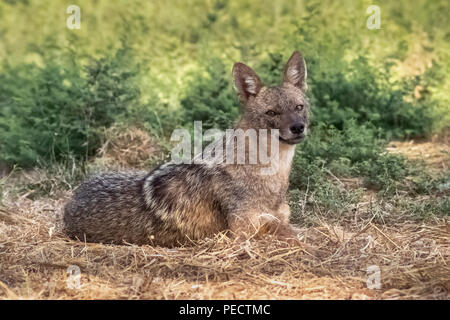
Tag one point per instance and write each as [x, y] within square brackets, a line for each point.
[354, 151]
[362, 92]
[426, 182]
[384, 172]
[271, 69]
[52, 112]
[426, 208]
[210, 98]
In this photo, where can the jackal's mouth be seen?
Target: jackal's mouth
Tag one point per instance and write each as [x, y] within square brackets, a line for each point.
[294, 140]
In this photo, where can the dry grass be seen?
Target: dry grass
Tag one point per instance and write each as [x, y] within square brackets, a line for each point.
[34, 257]
[128, 148]
[414, 259]
[435, 154]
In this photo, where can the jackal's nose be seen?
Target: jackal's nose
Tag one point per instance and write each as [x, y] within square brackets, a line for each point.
[297, 128]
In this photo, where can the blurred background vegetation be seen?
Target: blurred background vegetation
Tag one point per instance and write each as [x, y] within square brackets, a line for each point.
[158, 65]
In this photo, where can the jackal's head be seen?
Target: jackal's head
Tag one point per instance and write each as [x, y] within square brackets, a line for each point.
[284, 107]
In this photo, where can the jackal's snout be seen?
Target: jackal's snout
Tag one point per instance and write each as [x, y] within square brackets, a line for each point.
[297, 134]
[292, 128]
[298, 128]
[297, 131]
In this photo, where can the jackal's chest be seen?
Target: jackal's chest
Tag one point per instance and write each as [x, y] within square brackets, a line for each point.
[263, 192]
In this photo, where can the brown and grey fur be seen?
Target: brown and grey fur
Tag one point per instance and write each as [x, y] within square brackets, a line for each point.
[177, 203]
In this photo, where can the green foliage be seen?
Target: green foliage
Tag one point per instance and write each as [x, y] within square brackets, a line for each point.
[367, 94]
[384, 172]
[336, 199]
[210, 98]
[176, 68]
[354, 151]
[426, 183]
[271, 69]
[426, 208]
[341, 150]
[55, 111]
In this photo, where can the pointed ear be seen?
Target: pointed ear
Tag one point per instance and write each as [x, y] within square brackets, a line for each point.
[295, 71]
[246, 81]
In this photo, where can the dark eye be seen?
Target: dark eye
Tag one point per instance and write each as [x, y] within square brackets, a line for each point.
[299, 107]
[271, 113]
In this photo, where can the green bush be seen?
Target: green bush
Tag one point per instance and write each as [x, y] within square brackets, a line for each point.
[354, 151]
[49, 113]
[367, 94]
[56, 108]
[210, 97]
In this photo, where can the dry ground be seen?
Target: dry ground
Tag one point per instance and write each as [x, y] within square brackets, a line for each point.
[414, 259]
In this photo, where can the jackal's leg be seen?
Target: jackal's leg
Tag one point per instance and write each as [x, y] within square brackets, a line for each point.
[286, 230]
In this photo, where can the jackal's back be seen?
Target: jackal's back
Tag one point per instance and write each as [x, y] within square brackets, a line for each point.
[168, 206]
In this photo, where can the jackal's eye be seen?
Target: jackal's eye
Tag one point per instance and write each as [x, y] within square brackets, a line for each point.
[299, 107]
[271, 113]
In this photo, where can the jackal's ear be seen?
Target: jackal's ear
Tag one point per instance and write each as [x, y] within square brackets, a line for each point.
[246, 81]
[295, 71]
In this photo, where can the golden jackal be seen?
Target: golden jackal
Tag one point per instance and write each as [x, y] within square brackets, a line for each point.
[178, 202]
